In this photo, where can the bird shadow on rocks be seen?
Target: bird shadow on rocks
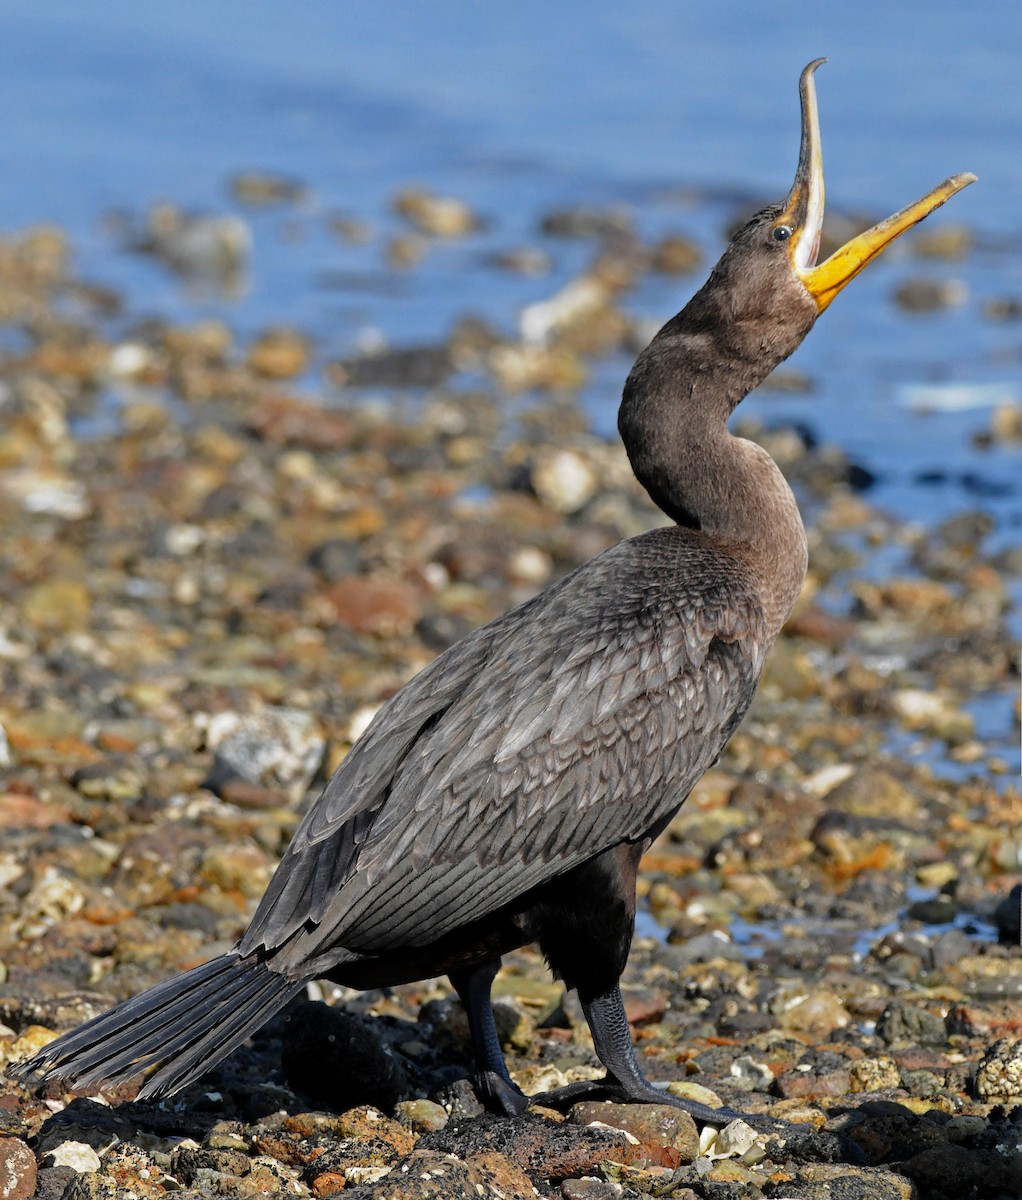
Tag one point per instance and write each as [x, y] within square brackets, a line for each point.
[339, 1059]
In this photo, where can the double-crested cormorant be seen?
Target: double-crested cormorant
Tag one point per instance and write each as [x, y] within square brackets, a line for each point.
[507, 793]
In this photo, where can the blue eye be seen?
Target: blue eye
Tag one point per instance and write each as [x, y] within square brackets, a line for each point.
[782, 233]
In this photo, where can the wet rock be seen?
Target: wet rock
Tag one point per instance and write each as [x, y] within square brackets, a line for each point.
[988, 977]
[18, 1170]
[410, 366]
[437, 216]
[739, 1139]
[581, 300]
[273, 747]
[524, 261]
[406, 251]
[259, 189]
[810, 1009]
[1002, 308]
[815, 1080]
[949, 948]
[675, 255]
[931, 712]
[873, 792]
[1006, 423]
[930, 295]
[587, 223]
[340, 1059]
[336, 559]
[947, 242]
[751, 1075]
[458, 1099]
[279, 354]
[688, 1089]
[200, 245]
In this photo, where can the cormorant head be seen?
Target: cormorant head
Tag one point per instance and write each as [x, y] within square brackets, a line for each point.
[767, 290]
[795, 228]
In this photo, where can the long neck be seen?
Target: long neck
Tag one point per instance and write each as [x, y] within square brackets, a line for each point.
[673, 423]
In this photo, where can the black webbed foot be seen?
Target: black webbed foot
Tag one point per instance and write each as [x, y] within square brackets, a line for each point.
[610, 1089]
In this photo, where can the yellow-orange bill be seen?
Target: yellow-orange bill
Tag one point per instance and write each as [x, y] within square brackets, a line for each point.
[823, 282]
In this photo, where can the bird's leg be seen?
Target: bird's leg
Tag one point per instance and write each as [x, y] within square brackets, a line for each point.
[624, 1082]
[493, 1084]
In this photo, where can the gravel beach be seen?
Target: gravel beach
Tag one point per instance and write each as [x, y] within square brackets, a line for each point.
[221, 555]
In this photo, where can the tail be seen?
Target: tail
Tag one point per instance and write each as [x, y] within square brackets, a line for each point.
[193, 1021]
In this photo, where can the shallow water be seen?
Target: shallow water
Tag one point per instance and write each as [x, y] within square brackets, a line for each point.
[680, 113]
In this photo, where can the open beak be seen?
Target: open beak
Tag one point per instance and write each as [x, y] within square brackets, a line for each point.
[803, 212]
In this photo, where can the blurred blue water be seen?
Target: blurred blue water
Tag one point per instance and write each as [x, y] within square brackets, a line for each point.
[520, 108]
[166, 98]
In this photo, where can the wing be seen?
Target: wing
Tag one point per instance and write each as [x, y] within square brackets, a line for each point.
[574, 723]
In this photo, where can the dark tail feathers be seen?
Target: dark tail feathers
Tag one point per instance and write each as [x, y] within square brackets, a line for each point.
[192, 1021]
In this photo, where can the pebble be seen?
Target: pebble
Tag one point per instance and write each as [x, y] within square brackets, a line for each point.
[999, 1074]
[202, 245]
[1006, 423]
[576, 302]
[279, 354]
[522, 368]
[930, 295]
[261, 188]
[908, 1024]
[437, 216]
[409, 366]
[748, 1073]
[79, 1156]
[875, 1073]
[590, 1188]
[675, 255]
[661, 1135]
[18, 1171]
[563, 480]
[275, 747]
[421, 1116]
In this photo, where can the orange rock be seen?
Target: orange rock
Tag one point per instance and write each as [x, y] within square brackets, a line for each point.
[286, 421]
[381, 606]
[26, 812]
[328, 1184]
[660, 1135]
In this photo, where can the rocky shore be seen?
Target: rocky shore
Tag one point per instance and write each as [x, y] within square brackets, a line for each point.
[221, 556]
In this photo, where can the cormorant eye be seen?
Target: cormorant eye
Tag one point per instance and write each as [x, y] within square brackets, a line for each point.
[782, 233]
